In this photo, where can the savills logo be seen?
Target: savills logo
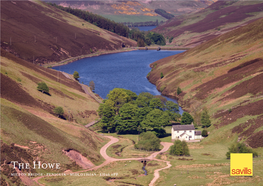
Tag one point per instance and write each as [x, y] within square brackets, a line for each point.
[241, 164]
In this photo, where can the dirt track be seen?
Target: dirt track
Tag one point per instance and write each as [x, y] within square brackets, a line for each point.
[109, 159]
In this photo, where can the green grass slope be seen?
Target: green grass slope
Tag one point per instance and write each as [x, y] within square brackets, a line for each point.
[30, 131]
[223, 75]
[221, 17]
[40, 33]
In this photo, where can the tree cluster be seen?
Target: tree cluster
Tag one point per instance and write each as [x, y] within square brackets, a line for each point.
[164, 13]
[126, 113]
[179, 148]
[148, 141]
[142, 38]
[240, 148]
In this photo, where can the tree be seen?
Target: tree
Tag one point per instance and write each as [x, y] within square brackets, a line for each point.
[126, 121]
[155, 121]
[140, 43]
[187, 119]
[204, 133]
[171, 106]
[179, 148]
[107, 118]
[144, 99]
[119, 97]
[92, 85]
[58, 111]
[205, 119]
[76, 75]
[42, 86]
[240, 148]
[185, 149]
[179, 90]
[148, 141]
[142, 113]
[176, 148]
[161, 75]
[156, 103]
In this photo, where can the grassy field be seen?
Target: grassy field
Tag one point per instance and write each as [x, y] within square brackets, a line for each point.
[133, 18]
[206, 165]
[117, 173]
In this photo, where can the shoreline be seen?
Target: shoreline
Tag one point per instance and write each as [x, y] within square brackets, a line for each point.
[100, 53]
[73, 59]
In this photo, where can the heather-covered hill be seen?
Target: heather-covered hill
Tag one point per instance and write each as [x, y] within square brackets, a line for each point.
[221, 17]
[40, 33]
[223, 75]
[32, 131]
[135, 11]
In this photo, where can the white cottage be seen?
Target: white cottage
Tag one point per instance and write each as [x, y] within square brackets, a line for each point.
[185, 132]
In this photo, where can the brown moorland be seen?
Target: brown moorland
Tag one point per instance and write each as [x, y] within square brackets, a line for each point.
[216, 19]
[223, 75]
[40, 33]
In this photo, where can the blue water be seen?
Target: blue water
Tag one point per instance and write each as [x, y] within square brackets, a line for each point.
[121, 70]
[145, 171]
[146, 28]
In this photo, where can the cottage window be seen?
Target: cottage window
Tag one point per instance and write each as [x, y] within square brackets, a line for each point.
[190, 136]
[190, 131]
[177, 131]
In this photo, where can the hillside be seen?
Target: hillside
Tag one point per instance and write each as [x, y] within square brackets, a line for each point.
[223, 75]
[30, 131]
[40, 33]
[221, 17]
[135, 11]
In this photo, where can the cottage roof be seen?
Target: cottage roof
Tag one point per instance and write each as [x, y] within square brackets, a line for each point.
[184, 134]
[198, 133]
[183, 127]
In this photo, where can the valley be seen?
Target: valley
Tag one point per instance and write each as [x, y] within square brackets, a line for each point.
[85, 121]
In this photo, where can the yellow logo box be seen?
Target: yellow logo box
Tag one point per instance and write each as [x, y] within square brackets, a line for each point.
[241, 164]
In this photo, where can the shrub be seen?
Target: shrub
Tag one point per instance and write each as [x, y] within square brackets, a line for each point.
[229, 110]
[162, 75]
[240, 148]
[76, 75]
[42, 86]
[204, 133]
[179, 148]
[148, 141]
[179, 90]
[58, 111]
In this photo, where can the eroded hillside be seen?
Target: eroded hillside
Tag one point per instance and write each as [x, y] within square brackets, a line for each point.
[223, 75]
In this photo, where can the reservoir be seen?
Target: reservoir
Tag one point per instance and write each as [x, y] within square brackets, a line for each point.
[146, 28]
[126, 70]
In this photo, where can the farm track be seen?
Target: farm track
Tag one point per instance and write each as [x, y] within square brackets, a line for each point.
[109, 159]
